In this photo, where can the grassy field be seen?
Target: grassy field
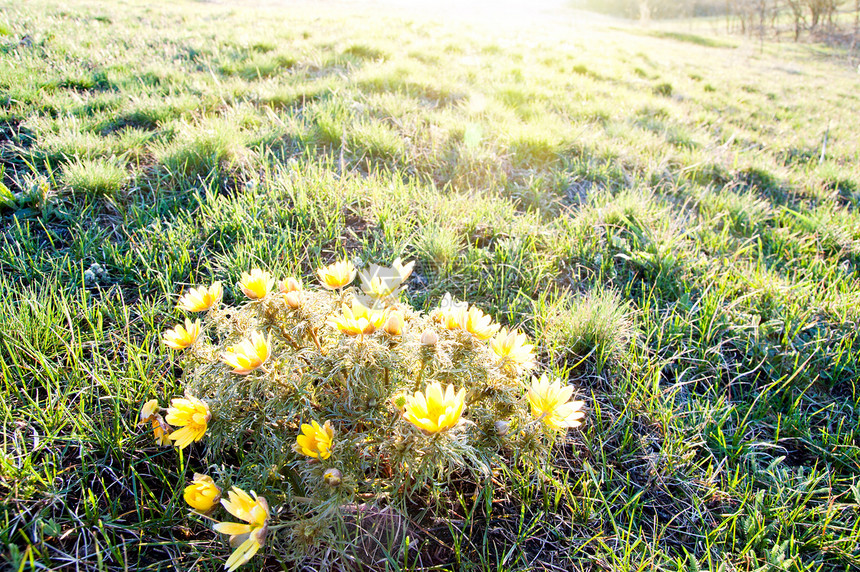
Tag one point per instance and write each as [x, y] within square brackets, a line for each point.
[672, 217]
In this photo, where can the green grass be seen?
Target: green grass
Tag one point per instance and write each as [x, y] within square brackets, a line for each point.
[710, 42]
[653, 208]
[94, 177]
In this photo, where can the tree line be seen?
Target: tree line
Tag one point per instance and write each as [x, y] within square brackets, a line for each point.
[834, 20]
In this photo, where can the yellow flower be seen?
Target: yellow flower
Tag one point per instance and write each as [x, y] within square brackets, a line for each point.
[257, 284]
[358, 320]
[148, 411]
[202, 494]
[252, 509]
[381, 281]
[435, 411]
[247, 539]
[181, 337]
[377, 287]
[405, 270]
[479, 325]
[336, 275]
[246, 545]
[248, 355]
[549, 402]
[192, 415]
[450, 318]
[512, 347]
[202, 298]
[289, 285]
[394, 325]
[315, 440]
[449, 312]
[161, 431]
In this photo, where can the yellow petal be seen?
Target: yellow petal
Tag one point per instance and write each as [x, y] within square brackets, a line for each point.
[242, 554]
[232, 528]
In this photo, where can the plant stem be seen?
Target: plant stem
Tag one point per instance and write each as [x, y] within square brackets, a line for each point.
[316, 340]
[420, 374]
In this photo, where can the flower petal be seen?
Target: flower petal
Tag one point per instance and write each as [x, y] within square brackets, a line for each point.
[242, 554]
[232, 528]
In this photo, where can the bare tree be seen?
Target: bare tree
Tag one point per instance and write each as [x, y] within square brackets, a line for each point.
[765, 18]
[856, 35]
[821, 11]
[798, 13]
[644, 11]
[745, 11]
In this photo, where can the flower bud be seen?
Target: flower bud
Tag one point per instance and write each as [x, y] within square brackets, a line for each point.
[202, 494]
[289, 285]
[148, 411]
[332, 477]
[399, 401]
[502, 428]
[394, 325]
[294, 299]
[429, 338]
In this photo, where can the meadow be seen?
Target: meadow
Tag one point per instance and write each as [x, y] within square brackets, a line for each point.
[672, 217]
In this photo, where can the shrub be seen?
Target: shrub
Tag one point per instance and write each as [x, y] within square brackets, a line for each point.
[345, 403]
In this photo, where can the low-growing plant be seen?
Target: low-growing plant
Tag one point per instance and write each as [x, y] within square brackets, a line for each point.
[664, 88]
[346, 406]
[377, 140]
[597, 325]
[103, 177]
[200, 151]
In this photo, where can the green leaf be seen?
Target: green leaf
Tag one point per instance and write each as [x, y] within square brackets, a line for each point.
[7, 197]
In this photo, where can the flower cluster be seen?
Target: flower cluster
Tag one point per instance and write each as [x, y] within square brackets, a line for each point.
[348, 391]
